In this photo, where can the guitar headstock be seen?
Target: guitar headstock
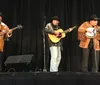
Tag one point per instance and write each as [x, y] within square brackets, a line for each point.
[74, 27]
[19, 26]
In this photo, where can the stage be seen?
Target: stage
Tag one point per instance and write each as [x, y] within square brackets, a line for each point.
[48, 78]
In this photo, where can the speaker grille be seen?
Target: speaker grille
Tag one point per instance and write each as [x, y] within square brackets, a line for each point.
[19, 59]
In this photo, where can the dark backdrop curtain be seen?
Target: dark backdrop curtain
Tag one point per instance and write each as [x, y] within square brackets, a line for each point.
[33, 14]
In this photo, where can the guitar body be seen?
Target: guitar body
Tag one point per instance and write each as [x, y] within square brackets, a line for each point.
[61, 35]
[56, 39]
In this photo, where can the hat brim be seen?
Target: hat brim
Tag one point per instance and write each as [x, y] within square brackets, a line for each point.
[55, 18]
[94, 19]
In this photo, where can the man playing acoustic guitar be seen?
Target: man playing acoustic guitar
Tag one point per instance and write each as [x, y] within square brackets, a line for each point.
[4, 33]
[54, 38]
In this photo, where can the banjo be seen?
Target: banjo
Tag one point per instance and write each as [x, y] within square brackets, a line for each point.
[90, 32]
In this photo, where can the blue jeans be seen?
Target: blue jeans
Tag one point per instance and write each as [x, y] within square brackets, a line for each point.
[55, 58]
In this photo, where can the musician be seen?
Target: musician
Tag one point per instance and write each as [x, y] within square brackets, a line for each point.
[55, 48]
[89, 36]
[5, 32]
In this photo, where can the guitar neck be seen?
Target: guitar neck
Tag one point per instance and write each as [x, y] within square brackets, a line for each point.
[66, 31]
[14, 28]
[70, 29]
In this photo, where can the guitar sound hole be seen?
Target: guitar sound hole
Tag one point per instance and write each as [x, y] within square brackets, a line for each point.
[60, 35]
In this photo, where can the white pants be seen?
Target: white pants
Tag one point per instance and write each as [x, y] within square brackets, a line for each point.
[55, 58]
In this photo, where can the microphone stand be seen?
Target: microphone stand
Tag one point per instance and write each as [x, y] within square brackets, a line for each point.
[44, 69]
[95, 55]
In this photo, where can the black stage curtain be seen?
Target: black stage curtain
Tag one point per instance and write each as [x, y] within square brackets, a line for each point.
[34, 15]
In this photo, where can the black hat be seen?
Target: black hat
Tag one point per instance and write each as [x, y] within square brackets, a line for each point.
[94, 17]
[1, 14]
[55, 18]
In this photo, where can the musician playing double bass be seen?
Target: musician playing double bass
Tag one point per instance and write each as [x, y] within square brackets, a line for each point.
[89, 36]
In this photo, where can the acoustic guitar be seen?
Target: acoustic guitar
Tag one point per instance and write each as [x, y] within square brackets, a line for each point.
[61, 35]
[4, 31]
